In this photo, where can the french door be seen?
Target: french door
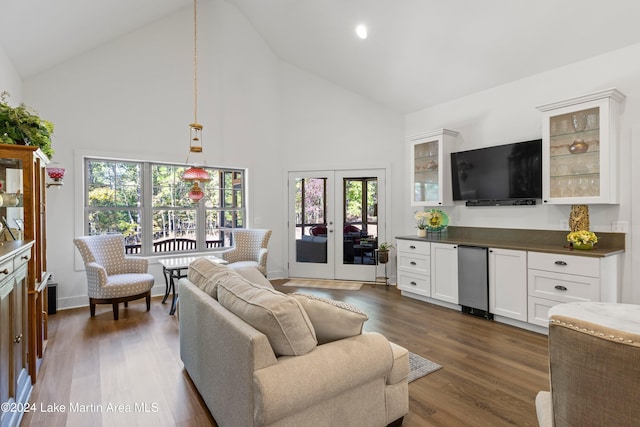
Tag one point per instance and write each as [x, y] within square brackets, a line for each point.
[336, 220]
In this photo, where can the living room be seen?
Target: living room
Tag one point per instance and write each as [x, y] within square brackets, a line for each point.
[131, 97]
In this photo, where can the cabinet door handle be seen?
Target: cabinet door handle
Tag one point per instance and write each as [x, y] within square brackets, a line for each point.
[17, 339]
[413, 283]
[561, 288]
[5, 271]
[412, 263]
[560, 263]
[412, 247]
[25, 257]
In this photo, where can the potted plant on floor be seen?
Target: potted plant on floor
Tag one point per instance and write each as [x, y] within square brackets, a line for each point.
[22, 126]
[383, 252]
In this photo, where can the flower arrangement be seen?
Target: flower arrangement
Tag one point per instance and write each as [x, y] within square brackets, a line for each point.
[422, 219]
[582, 238]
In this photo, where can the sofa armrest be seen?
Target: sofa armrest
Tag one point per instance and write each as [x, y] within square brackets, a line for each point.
[295, 383]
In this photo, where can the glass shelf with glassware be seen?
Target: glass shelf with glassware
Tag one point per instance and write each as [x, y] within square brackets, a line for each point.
[430, 159]
[580, 147]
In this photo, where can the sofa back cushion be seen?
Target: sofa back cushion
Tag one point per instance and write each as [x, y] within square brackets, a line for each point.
[280, 317]
[332, 320]
[206, 275]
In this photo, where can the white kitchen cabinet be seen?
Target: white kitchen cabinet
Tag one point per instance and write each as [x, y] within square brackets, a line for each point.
[508, 283]
[580, 149]
[555, 279]
[430, 167]
[444, 272]
[414, 267]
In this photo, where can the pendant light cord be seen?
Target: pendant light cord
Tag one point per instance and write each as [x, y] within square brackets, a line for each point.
[195, 62]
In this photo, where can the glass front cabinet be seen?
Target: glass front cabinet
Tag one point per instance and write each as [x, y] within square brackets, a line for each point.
[23, 220]
[430, 167]
[580, 149]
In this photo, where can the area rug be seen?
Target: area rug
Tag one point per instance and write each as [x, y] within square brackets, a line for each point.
[324, 284]
[419, 366]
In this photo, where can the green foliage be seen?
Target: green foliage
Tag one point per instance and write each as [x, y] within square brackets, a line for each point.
[384, 246]
[21, 125]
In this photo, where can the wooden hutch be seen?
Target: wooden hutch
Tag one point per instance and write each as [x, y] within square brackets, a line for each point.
[23, 239]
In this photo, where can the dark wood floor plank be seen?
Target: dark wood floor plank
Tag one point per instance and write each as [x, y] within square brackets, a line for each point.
[491, 371]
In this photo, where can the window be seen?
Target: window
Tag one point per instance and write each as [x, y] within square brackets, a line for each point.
[149, 204]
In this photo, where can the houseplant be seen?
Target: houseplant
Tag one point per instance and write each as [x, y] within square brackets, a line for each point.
[582, 239]
[422, 219]
[21, 125]
[383, 252]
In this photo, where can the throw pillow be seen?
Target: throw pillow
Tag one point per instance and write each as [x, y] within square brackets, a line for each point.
[332, 320]
[206, 274]
[280, 317]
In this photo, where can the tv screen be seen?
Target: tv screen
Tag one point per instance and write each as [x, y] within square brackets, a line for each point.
[502, 172]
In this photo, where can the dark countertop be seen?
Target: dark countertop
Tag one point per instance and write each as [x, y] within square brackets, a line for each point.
[550, 241]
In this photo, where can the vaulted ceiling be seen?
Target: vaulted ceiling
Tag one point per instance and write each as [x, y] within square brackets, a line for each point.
[418, 53]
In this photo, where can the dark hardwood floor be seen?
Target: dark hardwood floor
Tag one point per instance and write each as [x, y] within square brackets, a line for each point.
[129, 373]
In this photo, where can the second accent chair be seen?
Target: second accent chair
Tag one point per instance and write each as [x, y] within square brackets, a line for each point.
[594, 350]
[250, 249]
[112, 277]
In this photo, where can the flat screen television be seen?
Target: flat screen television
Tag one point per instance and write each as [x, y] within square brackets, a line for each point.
[510, 173]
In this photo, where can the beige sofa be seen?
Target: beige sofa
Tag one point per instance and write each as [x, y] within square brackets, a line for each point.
[359, 380]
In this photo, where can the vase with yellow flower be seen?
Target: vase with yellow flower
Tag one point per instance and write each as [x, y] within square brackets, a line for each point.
[582, 239]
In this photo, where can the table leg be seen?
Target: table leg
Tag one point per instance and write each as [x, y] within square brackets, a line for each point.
[173, 289]
[166, 282]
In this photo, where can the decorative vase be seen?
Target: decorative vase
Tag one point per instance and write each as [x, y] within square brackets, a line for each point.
[585, 247]
[578, 146]
[579, 218]
[422, 232]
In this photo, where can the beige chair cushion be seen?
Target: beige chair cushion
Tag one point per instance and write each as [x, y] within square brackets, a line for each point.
[332, 320]
[280, 317]
[206, 275]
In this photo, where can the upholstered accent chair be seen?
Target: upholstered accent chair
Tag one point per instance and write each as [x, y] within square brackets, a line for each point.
[594, 354]
[112, 277]
[250, 249]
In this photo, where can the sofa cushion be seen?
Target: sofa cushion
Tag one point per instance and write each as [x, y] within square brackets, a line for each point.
[332, 320]
[253, 275]
[206, 274]
[280, 317]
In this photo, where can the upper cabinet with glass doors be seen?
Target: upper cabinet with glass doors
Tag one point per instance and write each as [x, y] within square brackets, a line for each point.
[430, 163]
[580, 149]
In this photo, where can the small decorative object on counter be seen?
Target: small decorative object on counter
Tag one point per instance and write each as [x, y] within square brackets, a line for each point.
[582, 239]
[579, 218]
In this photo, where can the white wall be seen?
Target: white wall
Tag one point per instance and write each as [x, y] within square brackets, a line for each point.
[133, 98]
[10, 80]
[508, 114]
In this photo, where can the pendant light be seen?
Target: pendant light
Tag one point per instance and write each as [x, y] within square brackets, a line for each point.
[195, 174]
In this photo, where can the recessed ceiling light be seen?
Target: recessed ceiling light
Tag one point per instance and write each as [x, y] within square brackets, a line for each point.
[361, 31]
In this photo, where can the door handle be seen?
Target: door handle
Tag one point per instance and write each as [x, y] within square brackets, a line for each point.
[17, 339]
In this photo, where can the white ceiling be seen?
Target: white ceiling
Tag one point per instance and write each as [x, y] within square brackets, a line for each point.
[419, 52]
